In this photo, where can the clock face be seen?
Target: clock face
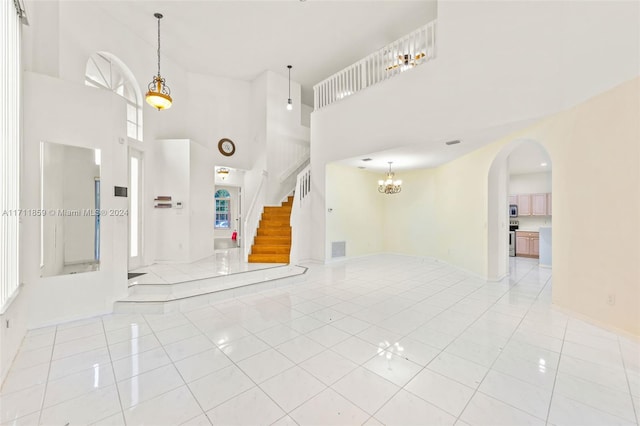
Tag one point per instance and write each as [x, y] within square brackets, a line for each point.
[226, 147]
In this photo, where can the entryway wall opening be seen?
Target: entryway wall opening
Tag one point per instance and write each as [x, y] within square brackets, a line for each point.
[520, 156]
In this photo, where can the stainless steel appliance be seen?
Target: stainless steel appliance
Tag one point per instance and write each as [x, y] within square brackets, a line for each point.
[512, 243]
[513, 210]
[513, 227]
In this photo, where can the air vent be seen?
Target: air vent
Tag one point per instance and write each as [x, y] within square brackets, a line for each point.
[367, 159]
[452, 142]
[361, 167]
[338, 249]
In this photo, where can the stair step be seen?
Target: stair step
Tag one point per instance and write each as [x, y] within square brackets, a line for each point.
[272, 240]
[270, 249]
[283, 209]
[269, 258]
[282, 219]
[274, 231]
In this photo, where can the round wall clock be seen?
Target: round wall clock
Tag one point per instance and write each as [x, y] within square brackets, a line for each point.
[226, 147]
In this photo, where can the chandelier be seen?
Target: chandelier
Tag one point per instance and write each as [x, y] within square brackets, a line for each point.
[159, 94]
[389, 186]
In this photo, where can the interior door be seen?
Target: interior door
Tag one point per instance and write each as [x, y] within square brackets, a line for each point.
[135, 209]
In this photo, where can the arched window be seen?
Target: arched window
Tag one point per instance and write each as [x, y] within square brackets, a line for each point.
[108, 72]
[223, 199]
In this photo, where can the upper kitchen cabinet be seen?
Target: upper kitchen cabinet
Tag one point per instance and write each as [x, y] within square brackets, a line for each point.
[539, 204]
[532, 204]
[524, 204]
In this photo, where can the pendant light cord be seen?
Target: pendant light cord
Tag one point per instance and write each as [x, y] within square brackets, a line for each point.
[289, 66]
[158, 47]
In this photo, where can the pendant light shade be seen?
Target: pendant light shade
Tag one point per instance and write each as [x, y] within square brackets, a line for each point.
[159, 94]
[289, 102]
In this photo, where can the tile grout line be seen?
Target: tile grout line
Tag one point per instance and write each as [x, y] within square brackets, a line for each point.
[173, 363]
[477, 389]
[46, 383]
[113, 371]
[443, 349]
[626, 375]
[555, 378]
[235, 365]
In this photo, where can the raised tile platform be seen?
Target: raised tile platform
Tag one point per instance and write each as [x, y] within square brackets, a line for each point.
[161, 297]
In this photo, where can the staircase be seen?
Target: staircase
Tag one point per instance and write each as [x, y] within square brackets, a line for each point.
[273, 239]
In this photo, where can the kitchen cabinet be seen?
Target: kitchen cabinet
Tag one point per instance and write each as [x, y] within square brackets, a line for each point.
[527, 244]
[538, 204]
[532, 204]
[524, 205]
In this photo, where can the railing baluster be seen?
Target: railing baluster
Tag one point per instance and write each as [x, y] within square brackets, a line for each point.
[411, 50]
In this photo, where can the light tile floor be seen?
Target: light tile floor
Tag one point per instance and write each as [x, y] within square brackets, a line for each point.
[384, 340]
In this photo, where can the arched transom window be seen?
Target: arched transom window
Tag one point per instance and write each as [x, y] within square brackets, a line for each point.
[108, 72]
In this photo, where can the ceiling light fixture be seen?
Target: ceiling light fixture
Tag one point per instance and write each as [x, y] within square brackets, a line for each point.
[289, 103]
[223, 173]
[389, 186]
[543, 164]
[159, 94]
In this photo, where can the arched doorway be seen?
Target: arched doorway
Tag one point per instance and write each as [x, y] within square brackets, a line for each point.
[532, 158]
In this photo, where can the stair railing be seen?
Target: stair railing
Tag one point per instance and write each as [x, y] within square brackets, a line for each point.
[403, 54]
[252, 217]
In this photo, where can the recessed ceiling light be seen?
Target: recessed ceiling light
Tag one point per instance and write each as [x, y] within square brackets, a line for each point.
[366, 159]
[452, 142]
[543, 164]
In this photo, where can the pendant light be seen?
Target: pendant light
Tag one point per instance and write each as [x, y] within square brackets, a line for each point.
[289, 103]
[159, 94]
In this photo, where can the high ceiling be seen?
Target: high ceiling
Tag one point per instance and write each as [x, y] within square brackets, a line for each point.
[241, 39]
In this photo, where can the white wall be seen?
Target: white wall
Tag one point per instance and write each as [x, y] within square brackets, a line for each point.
[220, 108]
[497, 63]
[202, 205]
[287, 141]
[52, 198]
[530, 183]
[355, 211]
[171, 162]
[183, 170]
[93, 119]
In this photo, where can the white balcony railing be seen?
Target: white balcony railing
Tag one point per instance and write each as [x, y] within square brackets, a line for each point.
[403, 54]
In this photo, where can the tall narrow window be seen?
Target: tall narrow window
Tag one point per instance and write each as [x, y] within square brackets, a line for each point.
[223, 199]
[10, 135]
[133, 234]
[107, 72]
